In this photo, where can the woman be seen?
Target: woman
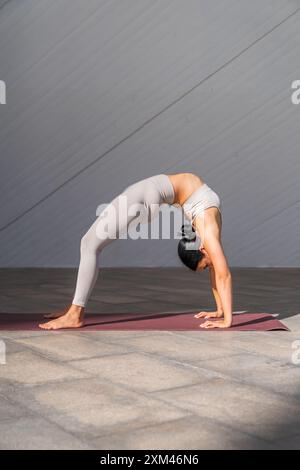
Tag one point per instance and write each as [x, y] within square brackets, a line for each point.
[201, 206]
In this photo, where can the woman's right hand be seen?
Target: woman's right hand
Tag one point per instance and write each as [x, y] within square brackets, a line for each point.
[216, 314]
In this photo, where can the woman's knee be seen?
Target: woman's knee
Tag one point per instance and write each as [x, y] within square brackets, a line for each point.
[88, 243]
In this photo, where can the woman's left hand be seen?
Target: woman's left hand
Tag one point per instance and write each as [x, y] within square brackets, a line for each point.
[215, 324]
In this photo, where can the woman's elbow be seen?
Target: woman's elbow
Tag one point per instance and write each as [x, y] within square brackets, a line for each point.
[224, 276]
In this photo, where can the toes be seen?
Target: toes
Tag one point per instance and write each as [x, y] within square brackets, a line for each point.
[45, 326]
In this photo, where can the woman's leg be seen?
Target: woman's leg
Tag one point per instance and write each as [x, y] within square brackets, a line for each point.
[101, 233]
[110, 224]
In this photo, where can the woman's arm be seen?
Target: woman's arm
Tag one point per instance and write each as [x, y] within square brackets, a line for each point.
[222, 280]
[208, 227]
[214, 289]
[219, 312]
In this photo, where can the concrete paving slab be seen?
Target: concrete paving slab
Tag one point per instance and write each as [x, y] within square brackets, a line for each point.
[185, 433]
[90, 407]
[261, 371]
[9, 409]
[24, 334]
[142, 372]
[245, 407]
[66, 347]
[116, 336]
[26, 367]
[36, 433]
[276, 345]
[293, 323]
[183, 349]
[291, 443]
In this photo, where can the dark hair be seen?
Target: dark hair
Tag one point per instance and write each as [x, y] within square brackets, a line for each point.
[188, 248]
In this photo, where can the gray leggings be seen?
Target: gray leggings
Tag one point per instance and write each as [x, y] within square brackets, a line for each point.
[149, 194]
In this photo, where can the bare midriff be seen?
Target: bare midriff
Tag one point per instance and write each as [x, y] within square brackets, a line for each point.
[184, 185]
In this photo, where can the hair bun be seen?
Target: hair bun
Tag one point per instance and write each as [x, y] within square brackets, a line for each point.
[189, 253]
[188, 233]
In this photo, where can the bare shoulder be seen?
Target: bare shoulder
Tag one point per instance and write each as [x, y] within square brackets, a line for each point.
[209, 223]
[184, 185]
[194, 177]
[208, 227]
[189, 181]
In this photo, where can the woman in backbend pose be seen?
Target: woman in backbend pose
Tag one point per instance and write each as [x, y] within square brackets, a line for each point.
[200, 204]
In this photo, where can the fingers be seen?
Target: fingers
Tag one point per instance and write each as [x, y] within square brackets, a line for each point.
[209, 324]
[200, 314]
[210, 315]
[205, 315]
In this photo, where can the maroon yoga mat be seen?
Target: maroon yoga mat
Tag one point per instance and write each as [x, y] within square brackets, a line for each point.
[125, 321]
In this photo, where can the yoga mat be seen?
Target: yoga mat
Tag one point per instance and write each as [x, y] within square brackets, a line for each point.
[125, 321]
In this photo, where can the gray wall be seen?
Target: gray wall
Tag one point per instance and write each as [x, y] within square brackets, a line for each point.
[103, 93]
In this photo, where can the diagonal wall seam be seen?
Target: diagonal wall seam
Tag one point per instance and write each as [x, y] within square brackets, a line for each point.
[4, 3]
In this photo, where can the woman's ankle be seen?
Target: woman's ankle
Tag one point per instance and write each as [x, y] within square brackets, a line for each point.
[77, 307]
[76, 310]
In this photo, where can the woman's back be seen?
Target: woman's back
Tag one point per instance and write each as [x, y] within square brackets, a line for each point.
[184, 185]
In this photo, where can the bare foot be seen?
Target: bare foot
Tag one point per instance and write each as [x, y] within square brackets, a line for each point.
[54, 315]
[73, 318]
[60, 314]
